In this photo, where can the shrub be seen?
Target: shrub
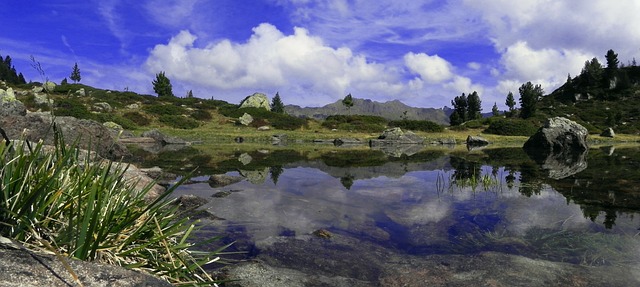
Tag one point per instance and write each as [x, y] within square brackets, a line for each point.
[201, 115]
[511, 127]
[60, 201]
[425, 126]
[138, 118]
[73, 108]
[361, 123]
[165, 109]
[263, 117]
[179, 122]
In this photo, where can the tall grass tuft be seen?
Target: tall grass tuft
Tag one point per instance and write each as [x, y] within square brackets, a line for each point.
[63, 201]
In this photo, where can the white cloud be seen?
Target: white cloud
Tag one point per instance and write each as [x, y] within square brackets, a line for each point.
[432, 69]
[299, 64]
[170, 13]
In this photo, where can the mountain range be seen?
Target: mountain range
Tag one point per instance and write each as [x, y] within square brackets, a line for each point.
[392, 110]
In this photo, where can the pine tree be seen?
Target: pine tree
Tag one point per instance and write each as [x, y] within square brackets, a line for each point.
[189, 94]
[511, 103]
[494, 111]
[529, 97]
[474, 106]
[276, 104]
[348, 102]
[162, 86]
[460, 108]
[75, 74]
[612, 60]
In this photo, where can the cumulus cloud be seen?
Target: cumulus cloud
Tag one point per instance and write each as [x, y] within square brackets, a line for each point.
[432, 69]
[299, 63]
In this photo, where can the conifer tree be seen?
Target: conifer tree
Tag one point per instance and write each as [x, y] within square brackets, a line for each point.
[529, 97]
[276, 104]
[162, 86]
[460, 108]
[511, 103]
[348, 102]
[474, 106]
[494, 111]
[75, 74]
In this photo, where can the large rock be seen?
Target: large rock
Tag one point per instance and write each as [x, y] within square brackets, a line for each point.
[558, 135]
[476, 141]
[90, 135]
[257, 100]
[19, 267]
[559, 147]
[396, 136]
[161, 138]
[102, 107]
[245, 119]
[12, 108]
[7, 95]
[608, 132]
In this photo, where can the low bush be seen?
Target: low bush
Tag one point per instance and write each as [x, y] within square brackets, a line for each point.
[165, 109]
[73, 108]
[425, 126]
[179, 122]
[511, 127]
[362, 123]
[264, 117]
[201, 115]
[138, 118]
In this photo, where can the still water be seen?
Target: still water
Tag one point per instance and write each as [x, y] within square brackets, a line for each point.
[354, 213]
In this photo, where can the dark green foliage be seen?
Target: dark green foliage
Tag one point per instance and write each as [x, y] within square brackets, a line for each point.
[460, 109]
[276, 104]
[189, 94]
[591, 74]
[165, 109]
[474, 106]
[511, 103]
[494, 110]
[529, 97]
[179, 122]
[425, 126]
[201, 115]
[72, 107]
[348, 101]
[264, 117]
[8, 72]
[162, 86]
[75, 74]
[612, 60]
[361, 123]
[355, 158]
[138, 118]
[511, 127]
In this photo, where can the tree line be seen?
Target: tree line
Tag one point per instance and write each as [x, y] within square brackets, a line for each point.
[8, 72]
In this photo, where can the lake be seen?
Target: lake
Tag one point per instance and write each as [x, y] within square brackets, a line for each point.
[437, 217]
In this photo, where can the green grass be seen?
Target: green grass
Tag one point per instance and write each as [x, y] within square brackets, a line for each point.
[61, 200]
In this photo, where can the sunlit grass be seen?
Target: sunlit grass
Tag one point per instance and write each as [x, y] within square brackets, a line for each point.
[65, 202]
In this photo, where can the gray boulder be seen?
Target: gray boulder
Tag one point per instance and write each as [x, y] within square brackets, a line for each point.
[476, 141]
[49, 86]
[608, 132]
[19, 267]
[257, 100]
[245, 119]
[80, 92]
[161, 138]
[7, 95]
[220, 180]
[90, 135]
[102, 107]
[12, 108]
[42, 99]
[559, 147]
[396, 136]
[558, 135]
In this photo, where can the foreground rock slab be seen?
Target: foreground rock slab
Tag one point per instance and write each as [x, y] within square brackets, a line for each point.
[21, 268]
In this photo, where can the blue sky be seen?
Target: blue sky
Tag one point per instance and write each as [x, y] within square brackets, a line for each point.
[422, 53]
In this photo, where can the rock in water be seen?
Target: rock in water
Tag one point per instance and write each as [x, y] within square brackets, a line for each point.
[608, 132]
[476, 141]
[558, 134]
[559, 147]
[257, 100]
